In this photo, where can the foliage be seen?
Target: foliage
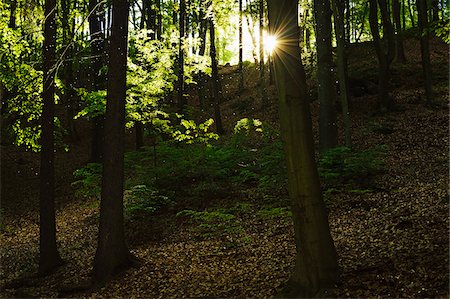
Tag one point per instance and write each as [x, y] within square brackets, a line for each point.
[274, 212]
[190, 132]
[95, 103]
[88, 180]
[442, 29]
[341, 165]
[23, 81]
[142, 199]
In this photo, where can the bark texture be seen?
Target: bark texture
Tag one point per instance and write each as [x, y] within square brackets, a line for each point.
[425, 50]
[217, 87]
[325, 81]
[339, 27]
[112, 254]
[316, 261]
[49, 257]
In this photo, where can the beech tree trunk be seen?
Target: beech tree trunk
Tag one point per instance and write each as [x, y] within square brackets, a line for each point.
[399, 49]
[12, 14]
[241, 71]
[384, 55]
[425, 50]
[316, 260]
[342, 66]
[49, 257]
[96, 81]
[325, 82]
[112, 254]
[217, 87]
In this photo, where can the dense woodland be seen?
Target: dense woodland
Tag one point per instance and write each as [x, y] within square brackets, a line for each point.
[224, 148]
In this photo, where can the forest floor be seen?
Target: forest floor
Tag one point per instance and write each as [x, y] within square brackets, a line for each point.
[392, 239]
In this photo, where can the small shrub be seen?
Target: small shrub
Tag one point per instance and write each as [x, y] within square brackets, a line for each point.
[142, 199]
[88, 180]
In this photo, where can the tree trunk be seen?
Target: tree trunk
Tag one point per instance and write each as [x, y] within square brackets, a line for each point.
[49, 257]
[159, 19]
[202, 78]
[316, 260]
[112, 254]
[383, 58]
[399, 49]
[217, 88]
[347, 21]
[435, 10]
[241, 71]
[96, 81]
[181, 102]
[325, 82]
[339, 27]
[262, 83]
[425, 49]
[12, 14]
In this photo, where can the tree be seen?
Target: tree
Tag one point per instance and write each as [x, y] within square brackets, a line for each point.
[399, 49]
[384, 53]
[49, 257]
[342, 66]
[262, 83]
[316, 261]
[96, 80]
[217, 88]
[325, 82]
[241, 71]
[425, 49]
[112, 254]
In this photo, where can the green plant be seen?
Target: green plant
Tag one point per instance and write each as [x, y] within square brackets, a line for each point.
[341, 165]
[88, 180]
[142, 199]
[274, 212]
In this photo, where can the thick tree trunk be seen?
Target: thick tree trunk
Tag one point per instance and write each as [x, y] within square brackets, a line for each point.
[325, 82]
[159, 26]
[316, 261]
[181, 101]
[435, 10]
[241, 70]
[96, 81]
[339, 27]
[399, 49]
[12, 14]
[217, 88]
[425, 50]
[112, 253]
[49, 257]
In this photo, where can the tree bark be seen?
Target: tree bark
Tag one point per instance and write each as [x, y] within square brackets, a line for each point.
[339, 27]
[241, 70]
[384, 56]
[49, 257]
[325, 82]
[399, 49]
[96, 81]
[112, 254]
[425, 49]
[12, 14]
[316, 260]
[217, 88]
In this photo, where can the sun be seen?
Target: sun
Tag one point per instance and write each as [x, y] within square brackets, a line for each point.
[270, 43]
